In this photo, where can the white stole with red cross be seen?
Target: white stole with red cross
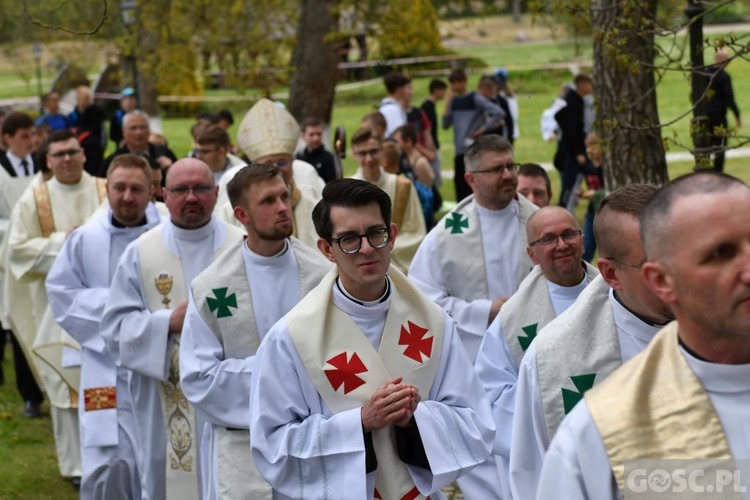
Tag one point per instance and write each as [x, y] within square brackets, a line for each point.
[346, 370]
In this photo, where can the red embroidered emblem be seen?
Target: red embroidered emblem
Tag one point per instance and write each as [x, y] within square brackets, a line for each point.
[416, 344]
[346, 372]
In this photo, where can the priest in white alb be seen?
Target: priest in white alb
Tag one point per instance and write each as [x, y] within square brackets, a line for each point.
[558, 277]
[475, 258]
[232, 305]
[687, 396]
[363, 390]
[269, 134]
[407, 210]
[612, 320]
[143, 320]
[45, 215]
[78, 288]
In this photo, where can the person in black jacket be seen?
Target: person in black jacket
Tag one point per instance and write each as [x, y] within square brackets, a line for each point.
[720, 98]
[571, 147]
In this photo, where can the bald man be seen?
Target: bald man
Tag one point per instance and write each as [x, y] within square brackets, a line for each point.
[559, 276]
[688, 393]
[143, 321]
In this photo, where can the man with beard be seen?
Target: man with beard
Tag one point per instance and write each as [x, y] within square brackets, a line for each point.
[475, 258]
[611, 321]
[143, 320]
[232, 305]
[78, 287]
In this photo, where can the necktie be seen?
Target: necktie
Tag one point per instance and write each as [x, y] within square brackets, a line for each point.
[25, 166]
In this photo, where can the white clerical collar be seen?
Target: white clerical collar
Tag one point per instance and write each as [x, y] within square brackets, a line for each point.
[567, 292]
[719, 378]
[276, 260]
[631, 324]
[193, 234]
[355, 307]
[510, 211]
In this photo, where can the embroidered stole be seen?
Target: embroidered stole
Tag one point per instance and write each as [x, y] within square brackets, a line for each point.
[346, 370]
[44, 204]
[228, 312]
[578, 349]
[655, 407]
[164, 286]
[461, 253]
[529, 310]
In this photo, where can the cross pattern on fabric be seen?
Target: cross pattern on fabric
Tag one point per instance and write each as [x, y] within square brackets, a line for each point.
[583, 383]
[530, 331]
[417, 344]
[221, 302]
[456, 223]
[345, 372]
[100, 398]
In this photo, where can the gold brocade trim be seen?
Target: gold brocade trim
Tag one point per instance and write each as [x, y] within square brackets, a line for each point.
[295, 197]
[101, 188]
[401, 198]
[179, 424]
[44, 209]
[100, 398]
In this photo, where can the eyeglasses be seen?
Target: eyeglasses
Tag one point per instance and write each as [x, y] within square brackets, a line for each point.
[510, 167]
[182, 191]
[371, 152]
[202, 152]
[351, 243]
[568, 236]
[62, 154]
[624, 263]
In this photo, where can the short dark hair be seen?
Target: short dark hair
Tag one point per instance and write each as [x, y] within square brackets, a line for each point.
[364, 134]
[457, 75]
[213, 135]
[582, 78]
[484, 144]
[311, 121]
[395, 80]
[15, 121]
[130, 161]
[629, 200]
[488, 81]
[61, 136]
[208, 117]
[407, 132]
[437, 84]
[535, 170]
[656, 216]
[246, 177]
[349, 193]
[226, 115]
[377, 118]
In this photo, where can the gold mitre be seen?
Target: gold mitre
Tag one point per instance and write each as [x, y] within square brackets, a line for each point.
[268, 129]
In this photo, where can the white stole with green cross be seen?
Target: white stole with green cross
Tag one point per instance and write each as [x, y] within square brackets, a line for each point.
[461, 252]
[224, 302]
[346, 369]
[529, 310]
[577, 350]
[164, 285]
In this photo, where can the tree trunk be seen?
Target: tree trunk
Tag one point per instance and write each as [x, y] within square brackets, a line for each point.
[517, 11]
[624, 90]
[313, 83]
[147, 54]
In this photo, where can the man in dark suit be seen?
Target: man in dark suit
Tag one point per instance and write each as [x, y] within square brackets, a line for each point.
[18, 161]
[18, 135]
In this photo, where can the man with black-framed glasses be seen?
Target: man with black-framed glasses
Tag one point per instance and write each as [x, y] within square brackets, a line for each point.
[368, 369]
[612, 320]
[143, 321]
